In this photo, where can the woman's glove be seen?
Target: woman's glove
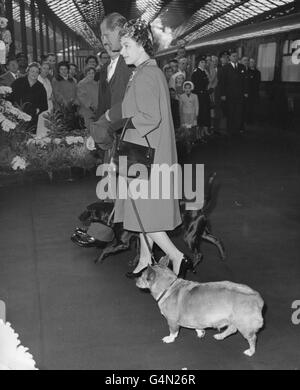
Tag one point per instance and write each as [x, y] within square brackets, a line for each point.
[90, 144]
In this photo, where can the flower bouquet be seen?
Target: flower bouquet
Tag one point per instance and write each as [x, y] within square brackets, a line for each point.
[62, 148]
[185, 137]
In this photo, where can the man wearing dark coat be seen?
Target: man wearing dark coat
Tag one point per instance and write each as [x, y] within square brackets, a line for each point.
[11, 75]
[254, 78]
[233, 90]
[200, 78]
[113, 81]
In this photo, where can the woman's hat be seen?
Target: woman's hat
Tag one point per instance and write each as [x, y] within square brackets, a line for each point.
[189, 83]
[140, 31]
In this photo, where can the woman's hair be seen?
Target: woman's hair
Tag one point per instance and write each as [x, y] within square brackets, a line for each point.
[45, 62]
[139, 31]
[33, 65]
[166, 67]
[88, 68]
[91, 57]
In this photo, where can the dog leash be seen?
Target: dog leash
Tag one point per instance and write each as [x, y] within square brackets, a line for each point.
[166, 290]
[153, 261]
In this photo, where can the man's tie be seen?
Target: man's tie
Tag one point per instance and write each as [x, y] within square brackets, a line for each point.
[110, 71]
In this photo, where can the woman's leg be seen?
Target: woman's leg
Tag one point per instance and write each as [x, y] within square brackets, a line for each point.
[145, 255]
[162, 240]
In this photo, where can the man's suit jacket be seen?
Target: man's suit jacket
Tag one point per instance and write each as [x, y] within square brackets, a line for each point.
[111, 95]
[6, 79]
[233, 82]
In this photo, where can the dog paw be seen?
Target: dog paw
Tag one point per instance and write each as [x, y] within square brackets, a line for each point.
[218, 336]
[200, 333]
[168, 339]
[249, 352]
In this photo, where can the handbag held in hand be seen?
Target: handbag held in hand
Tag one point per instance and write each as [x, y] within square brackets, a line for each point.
[135, 154]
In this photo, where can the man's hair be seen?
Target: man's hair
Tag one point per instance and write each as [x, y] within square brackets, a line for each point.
[72, 64]
[114, 20]
[90, 58]
[11, 59]
[50, 55]
[63, 63]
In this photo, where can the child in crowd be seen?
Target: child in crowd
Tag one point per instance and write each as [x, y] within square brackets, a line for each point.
[188, 106]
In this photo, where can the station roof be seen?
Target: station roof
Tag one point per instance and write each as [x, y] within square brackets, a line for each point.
[176, 21]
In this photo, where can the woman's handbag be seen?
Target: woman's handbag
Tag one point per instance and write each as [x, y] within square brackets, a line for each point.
[135, 154]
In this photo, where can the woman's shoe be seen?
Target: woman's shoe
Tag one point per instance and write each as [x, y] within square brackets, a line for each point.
[185, 266]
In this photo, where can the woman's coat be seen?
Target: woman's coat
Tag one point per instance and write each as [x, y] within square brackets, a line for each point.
[147, 102]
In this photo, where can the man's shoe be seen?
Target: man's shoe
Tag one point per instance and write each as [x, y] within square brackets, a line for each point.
[80, 230]
[86, 241]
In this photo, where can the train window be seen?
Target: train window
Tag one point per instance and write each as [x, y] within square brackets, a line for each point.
[266, 60]
[290, 70]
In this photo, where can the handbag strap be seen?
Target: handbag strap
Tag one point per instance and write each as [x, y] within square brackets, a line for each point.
[142, 228]
[125, 128]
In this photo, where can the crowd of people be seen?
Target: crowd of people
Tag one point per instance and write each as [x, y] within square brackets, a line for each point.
[40, 87]
[221, 89]
[220, 94]
[125, 85]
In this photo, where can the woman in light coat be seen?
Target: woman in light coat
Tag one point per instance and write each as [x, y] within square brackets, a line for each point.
[87, 95]
[147, 104]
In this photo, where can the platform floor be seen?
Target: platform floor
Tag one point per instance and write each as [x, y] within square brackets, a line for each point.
[72, 314]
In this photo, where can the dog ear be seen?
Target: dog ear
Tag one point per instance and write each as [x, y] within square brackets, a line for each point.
[164, 261]
[150, 274]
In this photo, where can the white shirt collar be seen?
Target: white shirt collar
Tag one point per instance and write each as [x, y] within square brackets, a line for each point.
[112, 68]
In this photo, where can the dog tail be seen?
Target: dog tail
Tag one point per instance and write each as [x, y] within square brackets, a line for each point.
[208, 193]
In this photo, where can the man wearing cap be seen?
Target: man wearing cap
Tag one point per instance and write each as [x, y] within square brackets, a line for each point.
[200, 78]
[233, 90]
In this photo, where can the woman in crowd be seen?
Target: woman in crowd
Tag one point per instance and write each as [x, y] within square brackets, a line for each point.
[44, 79]
[29, 94]
[176, 82]
[64, 87]
[147, 104]
[87, 95]
[168, 71]
[200, 79]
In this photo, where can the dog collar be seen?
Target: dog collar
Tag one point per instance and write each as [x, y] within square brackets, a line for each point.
[166, 290]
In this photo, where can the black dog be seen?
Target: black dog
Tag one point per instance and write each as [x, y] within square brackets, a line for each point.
[195, 226]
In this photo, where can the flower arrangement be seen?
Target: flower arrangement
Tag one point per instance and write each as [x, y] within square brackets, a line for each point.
[13, 356]
[50, 153]
[10, 117]
[61, 148]
[185, 136]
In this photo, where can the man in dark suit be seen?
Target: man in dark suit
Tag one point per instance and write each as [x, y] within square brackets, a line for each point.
[113, 80]
[254, 78]
[233, 90]
[11, 75]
